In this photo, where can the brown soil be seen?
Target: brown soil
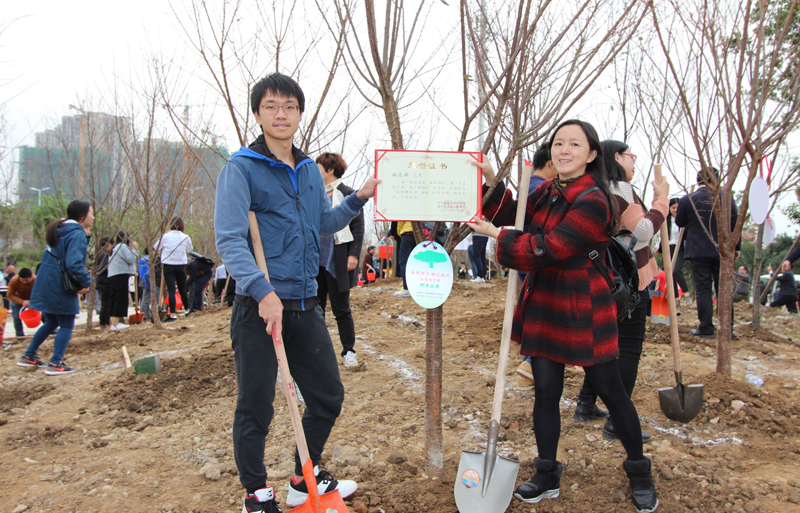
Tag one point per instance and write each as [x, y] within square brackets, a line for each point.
[102, 440]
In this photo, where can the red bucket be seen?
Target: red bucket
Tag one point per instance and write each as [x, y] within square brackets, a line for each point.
[31, 318]
[178, 301]
[370, 276]
[385, 251]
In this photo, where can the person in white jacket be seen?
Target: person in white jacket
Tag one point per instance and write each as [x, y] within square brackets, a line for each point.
[174, 247]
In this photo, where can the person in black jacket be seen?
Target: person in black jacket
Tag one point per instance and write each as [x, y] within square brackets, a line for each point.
[103, 284]
[200, 273]
[696, 213]
[338, 258]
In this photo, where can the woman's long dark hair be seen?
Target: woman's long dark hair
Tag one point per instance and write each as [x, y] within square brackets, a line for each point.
[596, 167]
[672, 201]
[77, 210]
[611, 148]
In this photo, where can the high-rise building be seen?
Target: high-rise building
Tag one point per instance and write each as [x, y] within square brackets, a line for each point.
[82, 158]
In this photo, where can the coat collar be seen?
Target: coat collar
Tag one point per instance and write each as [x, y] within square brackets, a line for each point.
[573, 190]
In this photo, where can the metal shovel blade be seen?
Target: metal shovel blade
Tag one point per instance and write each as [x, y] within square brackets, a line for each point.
[681, 403]
[471, 494]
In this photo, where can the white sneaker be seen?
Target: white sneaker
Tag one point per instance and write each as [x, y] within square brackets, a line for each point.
[478, 280]
[350, 359]
[120, 326]
[298, 492]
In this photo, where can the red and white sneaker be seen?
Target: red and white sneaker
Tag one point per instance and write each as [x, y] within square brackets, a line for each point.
[263, 501]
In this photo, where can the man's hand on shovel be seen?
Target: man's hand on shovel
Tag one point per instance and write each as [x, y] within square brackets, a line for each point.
[270, 309]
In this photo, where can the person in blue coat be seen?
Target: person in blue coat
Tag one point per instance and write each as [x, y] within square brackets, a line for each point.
[284, 188]
[67, 242]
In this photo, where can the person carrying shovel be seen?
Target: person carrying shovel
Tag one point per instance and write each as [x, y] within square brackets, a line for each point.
[566, 314]
[284, 188]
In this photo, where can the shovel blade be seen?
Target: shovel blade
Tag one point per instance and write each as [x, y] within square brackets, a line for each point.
[681, 403]
[135, 318]
[330, 502]
[469, 483]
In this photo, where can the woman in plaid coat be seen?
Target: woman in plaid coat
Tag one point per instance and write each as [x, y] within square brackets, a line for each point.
[565, 314]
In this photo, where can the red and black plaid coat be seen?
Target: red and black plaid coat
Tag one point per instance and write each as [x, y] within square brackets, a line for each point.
[565, 312]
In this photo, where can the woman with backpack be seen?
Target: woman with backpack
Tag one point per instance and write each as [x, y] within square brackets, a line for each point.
[643, 224]
[566, 314]
[67, 244]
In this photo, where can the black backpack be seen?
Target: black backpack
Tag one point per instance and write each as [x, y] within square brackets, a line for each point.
[621, 261]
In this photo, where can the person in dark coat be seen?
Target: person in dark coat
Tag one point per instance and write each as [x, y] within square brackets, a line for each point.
[338, 258]
[103, 285]
[67, 244]
[696, 213]
[566, 315]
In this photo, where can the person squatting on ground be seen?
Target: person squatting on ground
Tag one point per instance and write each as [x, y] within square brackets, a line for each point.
[273, 178]
[367, 266]
[67, 244]
[19, 293]
[174, 247]
[121, 265]
[566, 315]
[678, 260]
[696, 214]
[338, 258]
[788, 289]
[619, 163]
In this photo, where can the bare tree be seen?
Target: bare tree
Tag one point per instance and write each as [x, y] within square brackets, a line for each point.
[732, 71]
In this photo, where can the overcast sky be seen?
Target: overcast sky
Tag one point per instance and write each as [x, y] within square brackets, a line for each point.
[57, 52]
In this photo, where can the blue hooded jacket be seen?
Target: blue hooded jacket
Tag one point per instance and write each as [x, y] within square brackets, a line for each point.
[48, 295]
[292, 211]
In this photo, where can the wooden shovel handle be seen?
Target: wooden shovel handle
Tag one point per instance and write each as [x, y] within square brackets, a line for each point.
[673, 313]
[280, 350]
[511, 299]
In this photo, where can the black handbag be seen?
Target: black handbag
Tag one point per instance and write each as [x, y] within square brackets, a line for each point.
[68, 282]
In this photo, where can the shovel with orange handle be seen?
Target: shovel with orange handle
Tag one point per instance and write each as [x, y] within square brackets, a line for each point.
[330, 502]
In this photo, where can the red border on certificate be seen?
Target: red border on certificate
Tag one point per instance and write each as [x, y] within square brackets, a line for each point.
[417, 215]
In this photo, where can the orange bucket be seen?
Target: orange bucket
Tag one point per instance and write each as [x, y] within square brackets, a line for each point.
[31, 318]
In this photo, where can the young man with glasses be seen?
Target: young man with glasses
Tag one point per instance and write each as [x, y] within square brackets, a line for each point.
[284, 188]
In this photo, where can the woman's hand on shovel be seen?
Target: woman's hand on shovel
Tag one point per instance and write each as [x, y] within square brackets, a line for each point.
[270, 309]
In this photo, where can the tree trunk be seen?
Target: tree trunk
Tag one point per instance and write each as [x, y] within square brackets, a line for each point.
[434, 448]
[725, 314]
[758, 259]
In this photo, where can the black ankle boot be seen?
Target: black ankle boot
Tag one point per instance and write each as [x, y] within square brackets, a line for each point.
[610, 433]
[587, 409]
[645, 498]
[544, 484]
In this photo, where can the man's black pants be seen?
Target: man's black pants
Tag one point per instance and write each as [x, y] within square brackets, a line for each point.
[705, 273]
[313, 365]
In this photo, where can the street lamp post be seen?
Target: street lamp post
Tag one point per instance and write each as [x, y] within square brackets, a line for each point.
[40, 193]
[191, 191]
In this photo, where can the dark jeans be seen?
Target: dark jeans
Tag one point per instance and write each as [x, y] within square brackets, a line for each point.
[199, 285]
[789, 301]
[312, 363]
[407, 245]
[677, 271]
[340, 305]
[15, 309]
[176, 274]
[478, 251]
[631, 339]
[705, 273]
[548, 377]
[53, 322]
[104, 288]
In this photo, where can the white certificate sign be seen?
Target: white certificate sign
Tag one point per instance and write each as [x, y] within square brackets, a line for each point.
[429, 273]
[428, 186]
